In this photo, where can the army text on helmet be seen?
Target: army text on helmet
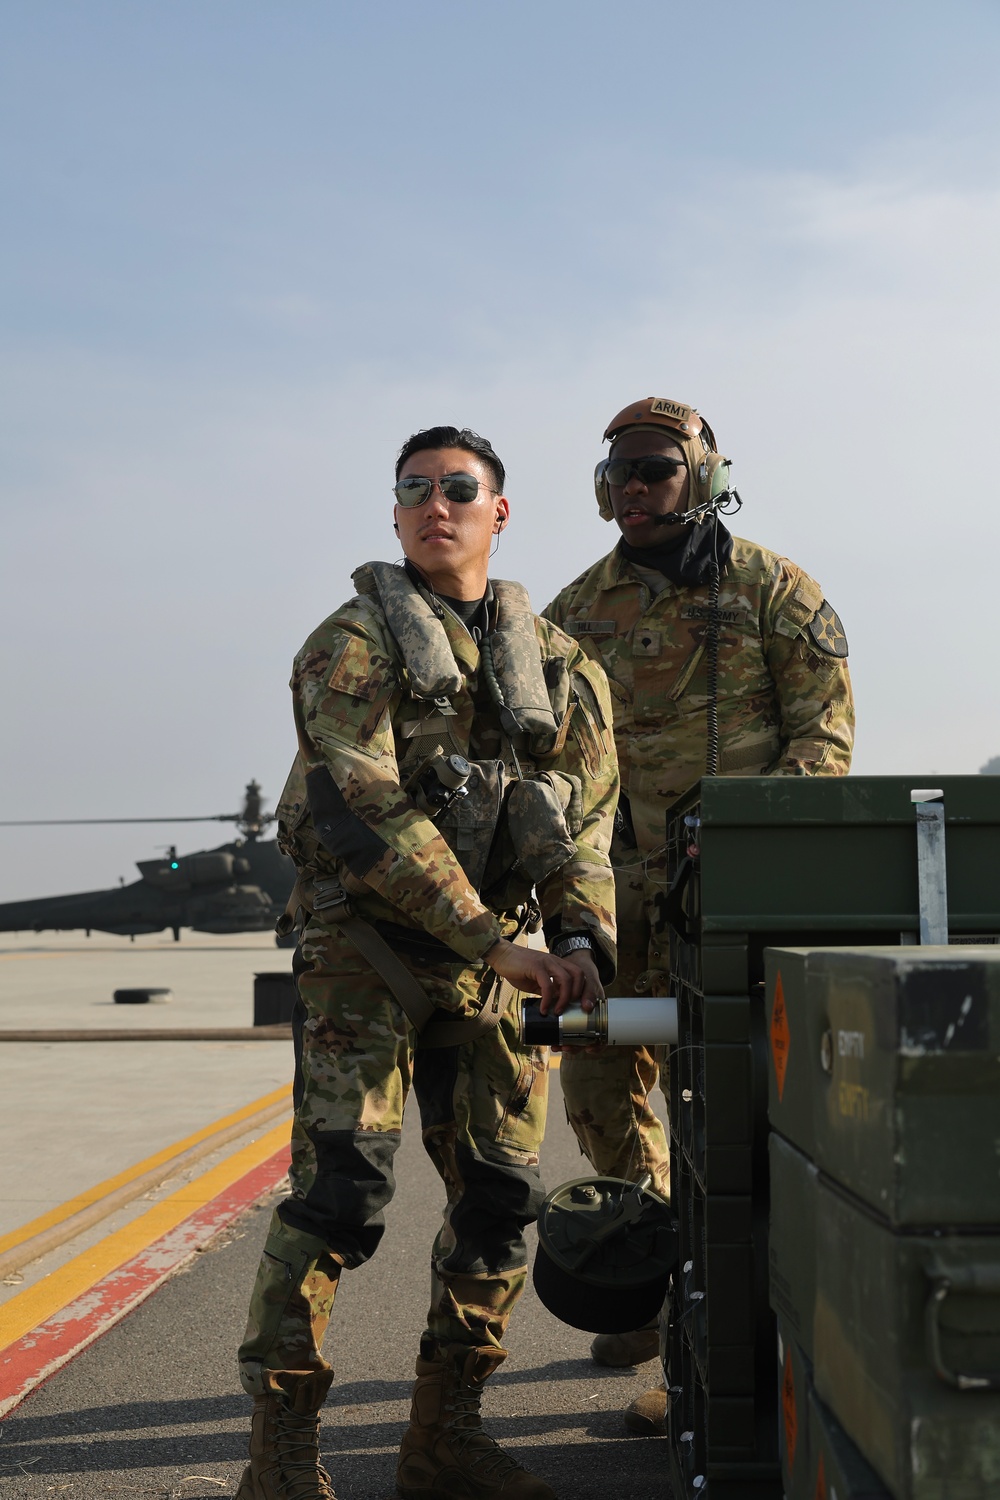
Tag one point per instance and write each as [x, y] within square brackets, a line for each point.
[659, 411]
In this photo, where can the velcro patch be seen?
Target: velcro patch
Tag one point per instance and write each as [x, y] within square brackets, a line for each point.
[358, 671]
[736, 616]
[661, 407]
[827, 631]
[590, 627]
[646, 643]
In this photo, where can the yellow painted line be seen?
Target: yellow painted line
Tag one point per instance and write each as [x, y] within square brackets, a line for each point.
[40, 1302]
[63, 953]
[83, 1200]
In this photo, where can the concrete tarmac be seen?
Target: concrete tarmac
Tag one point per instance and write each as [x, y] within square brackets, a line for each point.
[154, 1408]
[75, 1113]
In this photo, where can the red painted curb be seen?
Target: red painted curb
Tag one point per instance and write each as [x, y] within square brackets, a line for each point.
[36, 1356]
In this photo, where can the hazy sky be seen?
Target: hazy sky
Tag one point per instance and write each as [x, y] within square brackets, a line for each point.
[248, 248]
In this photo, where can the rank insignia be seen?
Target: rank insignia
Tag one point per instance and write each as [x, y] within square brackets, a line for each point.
[646, 643]
[827, 631]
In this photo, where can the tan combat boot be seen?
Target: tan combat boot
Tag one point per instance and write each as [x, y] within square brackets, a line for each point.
[445, 1451]
[621, 1349]
[647, 1416]
[284, 1439]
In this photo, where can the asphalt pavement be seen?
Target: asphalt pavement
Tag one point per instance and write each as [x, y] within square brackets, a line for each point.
[154, 1409]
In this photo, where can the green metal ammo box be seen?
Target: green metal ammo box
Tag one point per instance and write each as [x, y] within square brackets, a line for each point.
[818, 1459]
[753, 863]
[792, 1249]
[885, 1071]
[837, 1470]
[795, 1385]
[902, 1328]
[906, 1339]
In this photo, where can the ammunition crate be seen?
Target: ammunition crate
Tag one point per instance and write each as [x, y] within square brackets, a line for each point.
[906, 1344]
[792, 1248]
[837, 1471]
[818, 1459]
[787, 861]
[893, 1323]
[753, 863]
[795, 1386]
[885, 1071]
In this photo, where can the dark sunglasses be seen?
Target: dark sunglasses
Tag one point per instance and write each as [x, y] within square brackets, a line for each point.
[652, 470]
[414, 490]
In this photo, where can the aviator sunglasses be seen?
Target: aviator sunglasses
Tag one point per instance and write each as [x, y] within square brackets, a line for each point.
[652, 470]
[414, 489]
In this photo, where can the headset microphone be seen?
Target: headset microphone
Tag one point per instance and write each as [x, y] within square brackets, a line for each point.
[726, 501]
[693, 516]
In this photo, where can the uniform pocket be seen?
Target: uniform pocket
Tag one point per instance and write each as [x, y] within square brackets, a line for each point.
[524, 1101]
[352, 724]
[354, 708]
[590, 732]
[501, 1092]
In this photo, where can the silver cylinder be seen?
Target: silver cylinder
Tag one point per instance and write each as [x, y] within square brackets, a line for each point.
[618, 1021]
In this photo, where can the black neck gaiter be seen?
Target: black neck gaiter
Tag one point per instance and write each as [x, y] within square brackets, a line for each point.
[685, 559]
[473, 613]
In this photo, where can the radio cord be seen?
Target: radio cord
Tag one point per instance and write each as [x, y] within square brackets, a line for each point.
[712, 644]
[507, 720]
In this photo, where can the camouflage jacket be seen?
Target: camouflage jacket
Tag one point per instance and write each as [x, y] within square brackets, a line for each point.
[357, 715]
[784, 692]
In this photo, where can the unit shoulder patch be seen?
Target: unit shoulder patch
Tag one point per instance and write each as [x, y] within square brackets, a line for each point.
[827, 631]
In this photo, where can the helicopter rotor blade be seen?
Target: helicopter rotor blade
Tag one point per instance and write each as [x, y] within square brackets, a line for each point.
[66, 822]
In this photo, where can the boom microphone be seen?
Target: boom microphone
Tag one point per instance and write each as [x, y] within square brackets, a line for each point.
[684, 517]
[726, 501]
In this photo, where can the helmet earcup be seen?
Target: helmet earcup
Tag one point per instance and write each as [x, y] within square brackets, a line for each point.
[712, 477]
[601, 490]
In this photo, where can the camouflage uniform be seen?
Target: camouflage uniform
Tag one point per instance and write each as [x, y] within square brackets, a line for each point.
[482, 1103]
[785, 709]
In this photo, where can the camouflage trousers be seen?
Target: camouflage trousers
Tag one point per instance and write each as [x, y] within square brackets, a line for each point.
[482, 1110]
[607, 1092]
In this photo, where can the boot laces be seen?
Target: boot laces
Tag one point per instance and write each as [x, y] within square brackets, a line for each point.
[296, 1443]
[468, 1439]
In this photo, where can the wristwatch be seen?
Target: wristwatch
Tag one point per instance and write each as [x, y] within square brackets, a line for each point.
[565, 945]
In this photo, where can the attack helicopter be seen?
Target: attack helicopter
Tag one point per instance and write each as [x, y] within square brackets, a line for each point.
[238, 887]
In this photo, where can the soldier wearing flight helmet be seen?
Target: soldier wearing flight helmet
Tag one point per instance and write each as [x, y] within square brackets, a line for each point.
[782, 706]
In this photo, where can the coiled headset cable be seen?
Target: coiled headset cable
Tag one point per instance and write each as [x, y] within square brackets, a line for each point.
[712, 648]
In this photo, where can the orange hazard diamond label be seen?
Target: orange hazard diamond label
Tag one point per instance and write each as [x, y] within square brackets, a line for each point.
[820, 1481]
[789, 1413]
[780, 1036]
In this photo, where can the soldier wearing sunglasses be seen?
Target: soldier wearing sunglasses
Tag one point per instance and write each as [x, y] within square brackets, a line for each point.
[455, 788]
[783, 706]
